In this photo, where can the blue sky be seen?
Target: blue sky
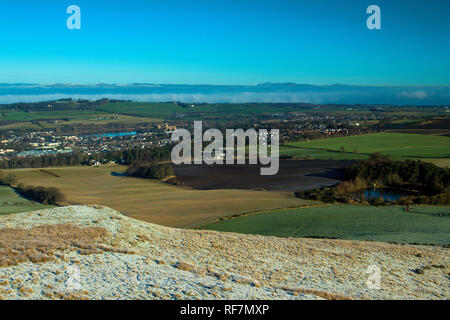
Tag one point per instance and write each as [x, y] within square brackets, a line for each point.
[226, 42]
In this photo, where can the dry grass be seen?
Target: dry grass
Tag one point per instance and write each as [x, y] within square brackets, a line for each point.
[319, 293]
[330, 269]
[151, 200]
[184, 266]
[39, 244]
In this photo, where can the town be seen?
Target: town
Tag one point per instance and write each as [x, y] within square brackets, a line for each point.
[55, 135]
[41, 143]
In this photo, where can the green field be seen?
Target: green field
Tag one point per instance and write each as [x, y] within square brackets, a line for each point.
[133, 112]
[170, 110]
[36, 115]
[28, 120]
[422, 225]
[400, 146]
[11, 202]
[145, 109]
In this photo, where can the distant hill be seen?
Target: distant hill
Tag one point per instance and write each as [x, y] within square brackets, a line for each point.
[265, 92]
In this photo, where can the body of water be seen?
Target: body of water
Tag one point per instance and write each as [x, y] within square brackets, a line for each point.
[113, 135]
[388, 194]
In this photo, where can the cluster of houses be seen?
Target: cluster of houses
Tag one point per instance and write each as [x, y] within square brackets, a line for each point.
[44, 143]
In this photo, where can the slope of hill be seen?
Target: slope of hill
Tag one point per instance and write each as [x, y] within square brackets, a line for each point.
[96, 253]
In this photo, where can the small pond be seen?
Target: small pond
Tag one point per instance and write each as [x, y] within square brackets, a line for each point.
[388, 194]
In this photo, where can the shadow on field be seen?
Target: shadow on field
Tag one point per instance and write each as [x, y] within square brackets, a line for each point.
[118, 174]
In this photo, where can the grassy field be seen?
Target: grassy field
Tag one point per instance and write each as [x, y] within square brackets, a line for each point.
[385, 224]
[312, 153]
[400, 146]
[440, 162]
[23, 120]
[36, 115]
[144, 109]
[169, 110]
[131, 112]
[11, 202]
[151, 200]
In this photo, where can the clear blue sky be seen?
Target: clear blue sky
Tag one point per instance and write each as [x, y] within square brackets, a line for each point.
[226, 42]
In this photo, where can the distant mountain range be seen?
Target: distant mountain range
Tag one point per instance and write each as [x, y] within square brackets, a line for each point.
[265, 92]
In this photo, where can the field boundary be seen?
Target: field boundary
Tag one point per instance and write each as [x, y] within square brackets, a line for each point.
[250, 213]
[50, 173]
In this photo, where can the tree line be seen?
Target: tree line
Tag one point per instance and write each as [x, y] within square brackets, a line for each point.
[427, 183]
[58, 105]
[45, 195]
[125, 157]
[382, 171]
[150, 171]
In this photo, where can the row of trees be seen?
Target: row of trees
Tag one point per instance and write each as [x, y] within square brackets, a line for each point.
[151, 155]
[150, 171]
[62, 104]
[41, 194]
[51, 195]
[427, 183]
[125, 157]
[382, 171]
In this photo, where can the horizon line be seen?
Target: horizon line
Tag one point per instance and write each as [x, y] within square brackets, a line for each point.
[230, 85]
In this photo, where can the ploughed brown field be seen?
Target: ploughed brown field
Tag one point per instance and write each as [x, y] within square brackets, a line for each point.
[293, 175]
